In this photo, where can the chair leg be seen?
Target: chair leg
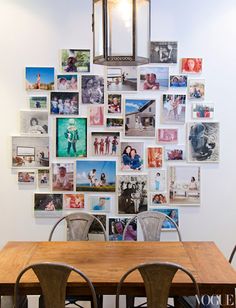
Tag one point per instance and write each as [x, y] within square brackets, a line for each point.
[41, 302]
[129, 301]
[100, 300]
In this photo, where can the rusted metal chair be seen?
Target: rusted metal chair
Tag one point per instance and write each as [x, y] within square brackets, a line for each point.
[53, 280]
[157, 278]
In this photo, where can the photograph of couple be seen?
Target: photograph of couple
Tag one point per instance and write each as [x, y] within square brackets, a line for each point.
[131, 156]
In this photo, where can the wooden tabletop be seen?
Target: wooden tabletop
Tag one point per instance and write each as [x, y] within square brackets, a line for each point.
[105, 262]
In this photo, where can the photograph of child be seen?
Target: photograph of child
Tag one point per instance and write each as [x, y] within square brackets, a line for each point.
[71, 137]
[163, 52]
[191, 65]
[173, 214]
[157, 180]
[175, 152]
[47, 205]
[115, 123]
[140, 118]
[196, 89]
[155, 157]
[33, 122]
[39, 78]
[154, 78]
[38, 102]
[174, 108]
[203, 142]
[73, 201]
[75, 60]
[64, 103]
[132, 156]
[158, 199]
[114, 103]
[62, 177]
[92, 89]
[105, 143]
[26, 177]
[43, 178]
[96, 115]
[178, 81]
[132, 194]
[203, 110]
[100, 203]
[92, 175]
[167, 135]
[67, 82]
[122, 78]
[116, 229]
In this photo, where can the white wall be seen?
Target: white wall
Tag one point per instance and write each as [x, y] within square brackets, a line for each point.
[32, 32]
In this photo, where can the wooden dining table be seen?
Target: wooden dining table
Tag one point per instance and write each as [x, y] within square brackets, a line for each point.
[105, 262]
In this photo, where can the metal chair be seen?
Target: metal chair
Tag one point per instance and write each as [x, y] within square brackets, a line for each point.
[53, 280]
[157, 278]
[232, 254]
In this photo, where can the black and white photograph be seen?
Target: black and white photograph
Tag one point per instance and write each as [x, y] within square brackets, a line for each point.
[163, 52]
[92, 89]
[33, 122]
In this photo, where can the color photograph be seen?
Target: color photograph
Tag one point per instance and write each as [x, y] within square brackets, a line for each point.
[178, 81]
[39, 78]
[191, 65]
[184, 185]
[96, 115]
[164, 52]
[67, 82]
[132, 193]
[71, 137]
[92, 89]
[173, 213]
[174, 108]
[48, 205]
[73, 201]
[158, 199]
[75, 60]
[33, 122]
[44, 178]
[203, 142]
[157, 180]
[123, 78]
[154, 157]
[100, 203]
[175, 152]
[27, 177]
[116, 229]
[114, 104]
[94, 175]
[140, 117]
[154, 78]
[62, 177]
[167, 135]
[115, 123]
[105, 143]
[38, 102]
[132, 156]
[196, 89]
[64, 103]
[203, 110]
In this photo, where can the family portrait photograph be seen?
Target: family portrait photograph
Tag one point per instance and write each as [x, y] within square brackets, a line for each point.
[157, 180]
[38, 102]
[73, 201]
[203, 142]
[158, 199]
[164, 52]
[191, 65]
[140, 117]
[105, 143]
[71, 137]
[132, 156]
[167, 135]
[203, 110]
[115, 123]
[196, 89]
[39, 78]
[100, 203]
[48, 205]
[62, 177]
[30, 152]
[96, 175]
[117, 226]
[96, 115]
[75, 60]
[44, 178]
[178, 81]
[122, 79]
[27, 177]
[154, 157]
[175, 152]
[33, 122]
[114, 104]
[132, 194]
[67, 82]
[92, 89]
[174, 108]
[64, 103]
[184, 185]
[173, 213]
[154, 78]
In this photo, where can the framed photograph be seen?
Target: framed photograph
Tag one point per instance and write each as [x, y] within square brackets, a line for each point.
[154, 78]
[184, 185]
[30, 152]
[99, 203]
[196, 89]
[154, 157]
[175, 152]
[96, 175]
[105, 143]
[75, 60]
[38, 102]
[132, 156]
[95, 227]
[140, 118]
[48, 205]
[67, 82]
[39, 78]
[191, 65]
[173, 109]
[163, 52]
[157, 180]
[158, 199]
[96, 115]
[62, 177]
[178, 81]
[167, 135]
[115, 123]
[64, 103]
[203, 142]
[114, 104]
[33, 122]
[73, 201]
[123, 78]
[116, 229]
[173, 213]
[27, 177]
[92, 89]
[44, 178]
[132, 193]
[203, 110]
[71, 137]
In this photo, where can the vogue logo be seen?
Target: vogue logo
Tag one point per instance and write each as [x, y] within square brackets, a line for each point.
[216, 300]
